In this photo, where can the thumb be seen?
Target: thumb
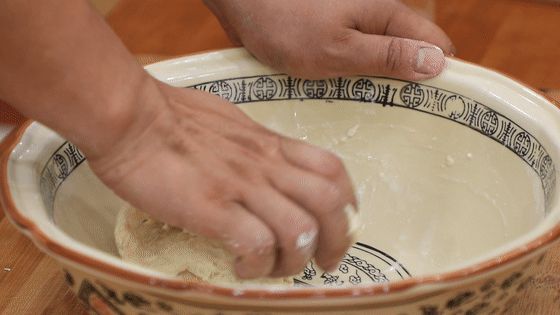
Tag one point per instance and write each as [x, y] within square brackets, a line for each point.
[393, 18]
[393, 57]
[406, 23]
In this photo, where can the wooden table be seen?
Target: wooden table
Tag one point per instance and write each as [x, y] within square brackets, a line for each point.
[520, 38]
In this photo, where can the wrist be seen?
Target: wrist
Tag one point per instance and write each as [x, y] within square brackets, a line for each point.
[123, 116]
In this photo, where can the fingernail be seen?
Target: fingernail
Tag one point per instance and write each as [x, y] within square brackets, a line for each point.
[353, 220]
[430, 60]
[453, 50]
[306, 243]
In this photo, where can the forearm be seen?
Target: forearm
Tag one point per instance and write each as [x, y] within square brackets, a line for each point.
[63, 66]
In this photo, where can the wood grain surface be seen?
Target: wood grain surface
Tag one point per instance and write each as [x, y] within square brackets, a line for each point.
[519, 38]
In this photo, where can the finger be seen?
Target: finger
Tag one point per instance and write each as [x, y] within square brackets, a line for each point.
[389, 56]
[401, 21]
[320, 161]
[295, 230]
[406, 23]
[327, 202]
[242, 233]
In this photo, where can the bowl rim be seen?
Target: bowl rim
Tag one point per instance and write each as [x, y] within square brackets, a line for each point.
[48, 243]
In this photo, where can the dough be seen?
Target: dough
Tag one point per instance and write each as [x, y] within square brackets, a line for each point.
[147, 242]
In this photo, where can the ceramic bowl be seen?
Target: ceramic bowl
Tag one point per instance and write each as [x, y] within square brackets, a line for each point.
[456, 177]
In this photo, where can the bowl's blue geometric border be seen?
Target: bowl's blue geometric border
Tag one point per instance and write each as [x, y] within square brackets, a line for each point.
[391, 92]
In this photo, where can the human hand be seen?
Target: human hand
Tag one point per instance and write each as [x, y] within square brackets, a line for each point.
[327, 38]
[188, 158]
[192, 159]
[198, 162]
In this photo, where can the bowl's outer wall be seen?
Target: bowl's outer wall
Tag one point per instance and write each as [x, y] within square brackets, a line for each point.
[493, 294]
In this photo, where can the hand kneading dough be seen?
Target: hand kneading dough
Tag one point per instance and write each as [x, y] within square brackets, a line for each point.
[169, 250]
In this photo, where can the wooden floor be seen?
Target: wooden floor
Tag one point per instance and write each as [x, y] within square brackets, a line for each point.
[520, 38]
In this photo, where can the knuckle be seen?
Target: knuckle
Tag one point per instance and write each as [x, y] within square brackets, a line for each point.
[329, 198]
[343, 38]
[393, 55]
[242, 171]
[215, 191]
[270, 146]
[265, 243]
[332, 166]
[262, 144]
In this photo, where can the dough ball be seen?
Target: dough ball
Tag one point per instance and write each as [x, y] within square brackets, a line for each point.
[147, 242]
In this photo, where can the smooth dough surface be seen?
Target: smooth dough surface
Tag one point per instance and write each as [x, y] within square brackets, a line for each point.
[147, 242]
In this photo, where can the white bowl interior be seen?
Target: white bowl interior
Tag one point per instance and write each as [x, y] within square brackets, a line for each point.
[449, 172]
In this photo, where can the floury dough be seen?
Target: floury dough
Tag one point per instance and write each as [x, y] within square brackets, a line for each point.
[147, 242]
